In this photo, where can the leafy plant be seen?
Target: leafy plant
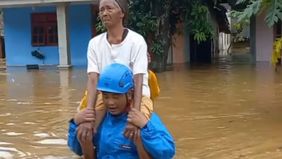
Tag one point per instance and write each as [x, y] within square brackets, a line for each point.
[158, 24]
[143, 23]
[145, 18]
[157, 48]
[254, 7]
[100, 28]
[274, 12]
[197, 21]
[277, 49]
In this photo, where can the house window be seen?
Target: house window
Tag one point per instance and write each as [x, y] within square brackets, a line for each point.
[44, 29]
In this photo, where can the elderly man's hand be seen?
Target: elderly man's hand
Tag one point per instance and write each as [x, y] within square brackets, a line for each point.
[85, 132]
[130, 130]
[86, 115]
[137, 118]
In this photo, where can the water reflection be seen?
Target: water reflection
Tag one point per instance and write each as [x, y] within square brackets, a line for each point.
[224, 113]
[213, 111]
[34, 112]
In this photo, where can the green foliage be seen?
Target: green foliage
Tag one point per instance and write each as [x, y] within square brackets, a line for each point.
[156, 20]
[274, 12]
[273, 7]
[197, 21]
[240, 1]
[143, 23]
[140, 18]
[277, 49]
[145, 17]
[252, 9]
[100, 28]
[157, 47]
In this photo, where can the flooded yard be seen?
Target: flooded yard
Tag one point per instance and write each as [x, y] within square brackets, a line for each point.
[219, 111]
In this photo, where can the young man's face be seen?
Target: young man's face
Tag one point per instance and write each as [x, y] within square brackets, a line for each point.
[110, 12]
[115, 103]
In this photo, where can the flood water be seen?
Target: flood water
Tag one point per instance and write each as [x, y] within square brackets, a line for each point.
[219, 111]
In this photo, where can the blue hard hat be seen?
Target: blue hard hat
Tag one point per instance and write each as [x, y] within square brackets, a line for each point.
[115, 78]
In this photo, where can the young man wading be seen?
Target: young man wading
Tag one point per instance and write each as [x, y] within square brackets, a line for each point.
[151, 140]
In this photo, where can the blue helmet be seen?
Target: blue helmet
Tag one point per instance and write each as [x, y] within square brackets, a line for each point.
[115, 78]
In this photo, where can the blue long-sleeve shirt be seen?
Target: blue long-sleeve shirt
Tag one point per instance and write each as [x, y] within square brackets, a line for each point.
[111, 143]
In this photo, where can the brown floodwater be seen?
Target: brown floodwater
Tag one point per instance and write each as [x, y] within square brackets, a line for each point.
[220, 111]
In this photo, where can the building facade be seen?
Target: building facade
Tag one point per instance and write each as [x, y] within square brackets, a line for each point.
[47, 32]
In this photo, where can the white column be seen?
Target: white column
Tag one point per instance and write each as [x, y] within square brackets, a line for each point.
[63, 36]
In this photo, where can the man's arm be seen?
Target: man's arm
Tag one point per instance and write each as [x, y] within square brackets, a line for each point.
[86, 129]
[139, 120]
[91, 89]
[86, 145]
[138, 82]
[139, 68]
[84, 148]
[93, 74]
[142, 153]
[156, 139]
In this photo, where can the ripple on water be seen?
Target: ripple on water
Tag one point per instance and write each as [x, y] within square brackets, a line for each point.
[10, 124]
[6, 155]
[12, 100]
[5, 143]
[41, 135]
[29, 123]
[7, 152]
[5, 114]
[13, 133]
[53, 142]
[24, 103]
[55, 157]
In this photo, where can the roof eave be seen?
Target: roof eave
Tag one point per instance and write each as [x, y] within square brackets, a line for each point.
[22, 3]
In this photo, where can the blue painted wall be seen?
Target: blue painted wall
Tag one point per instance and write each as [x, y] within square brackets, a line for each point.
[17, 27]
[80, 32]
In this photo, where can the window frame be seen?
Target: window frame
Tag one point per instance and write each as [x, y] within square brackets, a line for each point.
[44, 29]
